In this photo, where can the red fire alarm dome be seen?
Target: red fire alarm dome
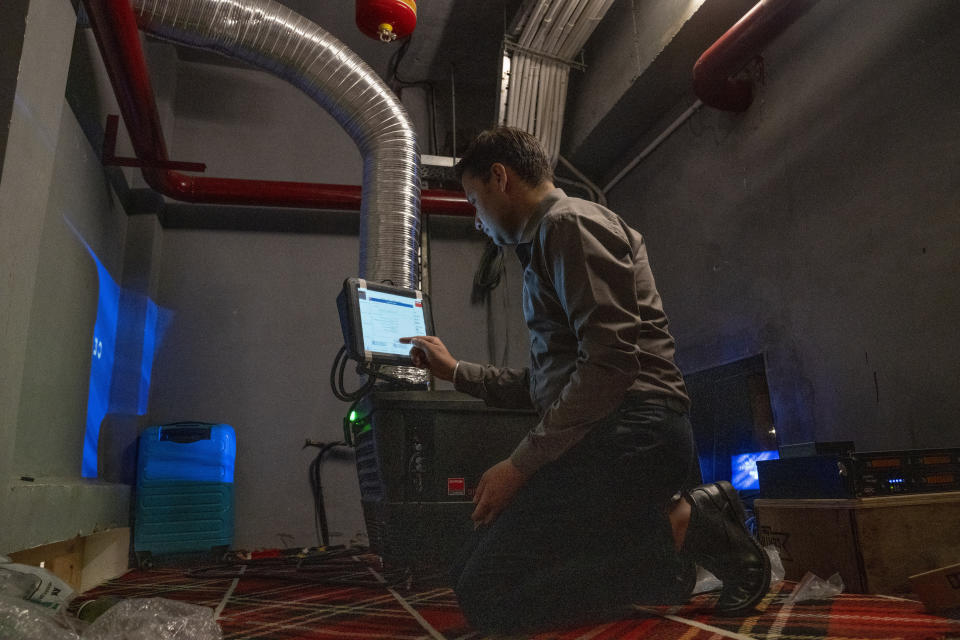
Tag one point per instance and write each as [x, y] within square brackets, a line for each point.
[387, 20]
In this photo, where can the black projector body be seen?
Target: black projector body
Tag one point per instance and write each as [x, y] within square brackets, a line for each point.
[420, 455]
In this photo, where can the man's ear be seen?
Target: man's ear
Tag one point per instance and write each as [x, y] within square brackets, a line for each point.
[499, 173]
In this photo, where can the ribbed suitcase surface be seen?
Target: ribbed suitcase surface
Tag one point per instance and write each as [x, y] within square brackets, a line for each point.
[184, 488]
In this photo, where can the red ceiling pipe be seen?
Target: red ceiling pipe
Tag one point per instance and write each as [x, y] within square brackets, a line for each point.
[115, 28]
[712, 81]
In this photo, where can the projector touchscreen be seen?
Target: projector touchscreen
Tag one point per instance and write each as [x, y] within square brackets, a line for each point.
[387, 317]
[374, 317]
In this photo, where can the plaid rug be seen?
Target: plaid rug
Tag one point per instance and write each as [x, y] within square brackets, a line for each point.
[347, 599]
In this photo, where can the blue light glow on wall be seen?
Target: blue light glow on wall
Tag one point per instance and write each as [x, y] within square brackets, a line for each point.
[101, 365]
[126, 335]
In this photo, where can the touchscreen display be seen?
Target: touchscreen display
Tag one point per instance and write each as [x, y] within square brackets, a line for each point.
[386, 317]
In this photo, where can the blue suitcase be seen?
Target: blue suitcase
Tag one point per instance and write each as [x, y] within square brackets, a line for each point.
[184, 497]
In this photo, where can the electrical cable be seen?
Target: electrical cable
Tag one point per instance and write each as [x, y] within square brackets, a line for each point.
[394, 80]
[373, 374]
[336, 379]
[600, 197]
[393, 66]
[316, 486]
[487, 278]
[488, 274]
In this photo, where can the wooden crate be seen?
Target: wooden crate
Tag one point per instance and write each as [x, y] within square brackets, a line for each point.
[875, 544]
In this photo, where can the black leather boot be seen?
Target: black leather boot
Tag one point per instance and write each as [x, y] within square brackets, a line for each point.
[718, 540]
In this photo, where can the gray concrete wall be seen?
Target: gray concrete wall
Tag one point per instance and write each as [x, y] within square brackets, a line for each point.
[56, 378]
[249, 124]
[628, 39]
[48, 297]
[821, 226]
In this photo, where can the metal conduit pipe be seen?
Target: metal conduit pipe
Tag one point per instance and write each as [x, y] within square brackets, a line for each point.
[536, 95]
[712, 81]
[269, 25]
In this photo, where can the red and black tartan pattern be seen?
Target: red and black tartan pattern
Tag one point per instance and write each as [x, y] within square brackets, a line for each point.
[278, 608]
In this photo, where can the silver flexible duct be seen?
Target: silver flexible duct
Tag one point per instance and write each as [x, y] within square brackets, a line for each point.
[270, 36]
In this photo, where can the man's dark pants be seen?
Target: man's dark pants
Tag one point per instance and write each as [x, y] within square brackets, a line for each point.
[588, 534]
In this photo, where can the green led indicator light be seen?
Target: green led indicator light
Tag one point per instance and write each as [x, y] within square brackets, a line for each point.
[353, 416]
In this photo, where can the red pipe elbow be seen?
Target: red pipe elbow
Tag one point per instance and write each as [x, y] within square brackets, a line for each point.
[118, 38]
[712, 74]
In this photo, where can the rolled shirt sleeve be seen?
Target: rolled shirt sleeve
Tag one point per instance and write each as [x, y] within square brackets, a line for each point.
[505, 388]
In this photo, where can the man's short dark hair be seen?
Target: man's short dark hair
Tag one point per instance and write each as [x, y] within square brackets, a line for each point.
[511, 147]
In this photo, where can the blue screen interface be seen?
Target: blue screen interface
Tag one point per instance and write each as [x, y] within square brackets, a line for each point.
[743, 467]
[387, 317]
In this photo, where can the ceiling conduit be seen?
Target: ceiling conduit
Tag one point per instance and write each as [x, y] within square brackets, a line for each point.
[270, 36]
[712, 74]
[542, 40]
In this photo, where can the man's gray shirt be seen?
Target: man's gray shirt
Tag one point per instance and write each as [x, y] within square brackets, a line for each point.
[597, 329]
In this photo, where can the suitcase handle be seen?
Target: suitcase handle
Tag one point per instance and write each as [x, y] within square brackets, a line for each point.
[185, 432]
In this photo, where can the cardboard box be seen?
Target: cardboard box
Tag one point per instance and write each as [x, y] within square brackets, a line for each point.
[875, 544]
[85, 562]
[938, 589]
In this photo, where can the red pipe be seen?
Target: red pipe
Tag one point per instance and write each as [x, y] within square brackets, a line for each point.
[115, 28]
[712, 81]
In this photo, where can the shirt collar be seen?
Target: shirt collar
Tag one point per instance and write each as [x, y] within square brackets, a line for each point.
[533, 222]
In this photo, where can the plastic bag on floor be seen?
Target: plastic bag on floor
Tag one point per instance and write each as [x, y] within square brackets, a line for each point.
[133, 619]
[777, 571]
[35, 584]
[812, 588]
[706, 581]
[24, 620]
[154, 619]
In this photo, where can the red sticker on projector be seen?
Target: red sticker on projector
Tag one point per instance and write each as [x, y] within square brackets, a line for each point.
[456, 487]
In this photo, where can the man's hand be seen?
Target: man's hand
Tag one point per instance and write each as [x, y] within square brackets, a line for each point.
[429, 352]
[498, 485]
